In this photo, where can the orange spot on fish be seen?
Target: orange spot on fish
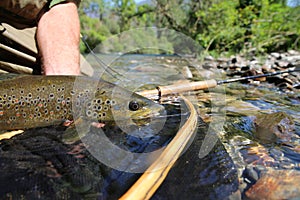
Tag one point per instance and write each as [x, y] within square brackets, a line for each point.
[97, 124]
[51, 113]
[67, 122]
[18, 114]
[1, 112]
[40, 105]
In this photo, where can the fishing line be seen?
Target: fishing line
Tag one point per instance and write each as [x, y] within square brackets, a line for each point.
[108, 69]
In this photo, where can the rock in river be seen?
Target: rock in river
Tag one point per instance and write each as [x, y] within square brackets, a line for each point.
[276, 184]
[270, 127]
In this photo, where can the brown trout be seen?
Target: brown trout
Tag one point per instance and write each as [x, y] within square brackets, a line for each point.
[35, 101]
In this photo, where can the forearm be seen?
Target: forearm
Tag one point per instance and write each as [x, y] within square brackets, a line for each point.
[58, 36]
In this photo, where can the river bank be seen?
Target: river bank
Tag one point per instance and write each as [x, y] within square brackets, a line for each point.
[241, 66]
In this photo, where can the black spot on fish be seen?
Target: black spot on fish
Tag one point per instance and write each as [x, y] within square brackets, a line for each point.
[88, 113]
[113, 102]
[95, 114]
[51, 95]
[29, 95]
[107, 102]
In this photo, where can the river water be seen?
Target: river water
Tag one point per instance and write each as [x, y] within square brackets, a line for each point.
[238, 106]
[236, 164]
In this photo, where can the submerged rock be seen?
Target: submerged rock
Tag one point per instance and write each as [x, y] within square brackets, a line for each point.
[270, 127]
[276, 184]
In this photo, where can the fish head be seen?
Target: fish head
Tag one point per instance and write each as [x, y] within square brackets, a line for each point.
[131, 106]
[108, 102]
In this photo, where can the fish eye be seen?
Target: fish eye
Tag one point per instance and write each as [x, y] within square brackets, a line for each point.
[134, 106]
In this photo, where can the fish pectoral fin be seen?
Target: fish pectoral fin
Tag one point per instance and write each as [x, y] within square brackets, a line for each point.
[78, 129]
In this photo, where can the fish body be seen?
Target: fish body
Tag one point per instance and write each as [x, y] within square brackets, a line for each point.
[34, 101]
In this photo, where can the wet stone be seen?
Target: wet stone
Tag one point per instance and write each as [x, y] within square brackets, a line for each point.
[270, 127]
[276, 184]
[276, 55]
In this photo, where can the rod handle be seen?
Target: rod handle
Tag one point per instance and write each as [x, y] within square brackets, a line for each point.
[185, 87]
[179, 88]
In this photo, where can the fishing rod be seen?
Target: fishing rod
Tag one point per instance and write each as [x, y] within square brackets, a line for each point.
[202, 85]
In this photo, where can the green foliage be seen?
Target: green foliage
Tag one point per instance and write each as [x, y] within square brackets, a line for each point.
[223, 28]
[218, 26]
[94, 31]
[277, 28]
